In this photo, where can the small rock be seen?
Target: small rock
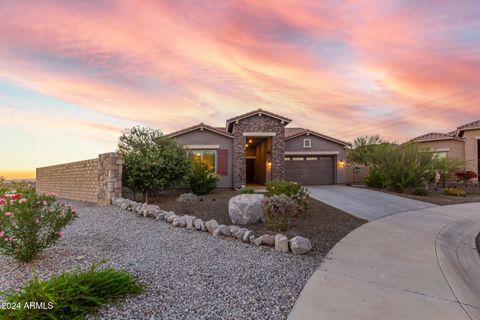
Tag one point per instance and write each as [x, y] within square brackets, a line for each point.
[211, 225]
[189, 220]
[266, 239]
[251, 239]
[234, 229]
[199, 225]
[216, 233]
[281, 243]
[224, 230]
[79, 258]
[179, 222]
[247, 235]
[171, 218]
[125, 204]
[239, 234]
[300, 245]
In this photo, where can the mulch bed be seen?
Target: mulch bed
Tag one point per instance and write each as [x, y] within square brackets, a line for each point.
[322, 224]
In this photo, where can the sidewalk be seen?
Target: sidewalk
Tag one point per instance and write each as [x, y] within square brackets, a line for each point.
[419, 264]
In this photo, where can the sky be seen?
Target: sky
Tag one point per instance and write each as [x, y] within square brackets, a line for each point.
[73, 74]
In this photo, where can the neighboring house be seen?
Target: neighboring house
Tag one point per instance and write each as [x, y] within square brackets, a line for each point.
[256, 147]
[462, 144]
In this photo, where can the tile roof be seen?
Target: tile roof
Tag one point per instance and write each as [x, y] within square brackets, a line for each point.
[473, 124]
[254, 112]
[293, 131]
[301, 131]
[436, 136]
[200, 126]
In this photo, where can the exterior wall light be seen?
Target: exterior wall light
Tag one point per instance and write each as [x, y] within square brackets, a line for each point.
[341, 164]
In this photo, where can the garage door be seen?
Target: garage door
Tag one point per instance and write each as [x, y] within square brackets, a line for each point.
[309, 170]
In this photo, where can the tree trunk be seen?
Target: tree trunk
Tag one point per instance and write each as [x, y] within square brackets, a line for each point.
[145, 197]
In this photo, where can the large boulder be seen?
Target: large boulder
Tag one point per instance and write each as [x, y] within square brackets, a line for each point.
[300, 245]
[246, 208]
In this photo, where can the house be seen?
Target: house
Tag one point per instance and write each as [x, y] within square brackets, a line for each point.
[257, 146]
[462, 144]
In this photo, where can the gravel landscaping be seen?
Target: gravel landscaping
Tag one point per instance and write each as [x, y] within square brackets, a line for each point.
[189, 274]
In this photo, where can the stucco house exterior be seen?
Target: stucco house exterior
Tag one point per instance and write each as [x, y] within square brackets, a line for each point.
[462, 144]
[257, 146]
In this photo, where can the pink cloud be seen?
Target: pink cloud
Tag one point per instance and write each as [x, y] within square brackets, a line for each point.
[323, 64]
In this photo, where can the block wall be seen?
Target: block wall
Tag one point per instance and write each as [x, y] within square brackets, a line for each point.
[95, 180]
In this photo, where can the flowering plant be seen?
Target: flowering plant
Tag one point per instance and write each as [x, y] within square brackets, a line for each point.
[30, 223]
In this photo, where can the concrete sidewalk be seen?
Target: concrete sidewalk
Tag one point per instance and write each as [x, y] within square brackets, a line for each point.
[365, 203]
[415, 265]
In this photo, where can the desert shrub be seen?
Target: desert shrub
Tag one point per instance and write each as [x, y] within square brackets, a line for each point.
[152, 160]
[454, 192]
[200, 178]
[466, 176]
[375, 179]
[293, 190]
[401, 167]
[71, 295]
[187, 198]
[420, 191]
[31, 223]
[247, 190]
[279, 212]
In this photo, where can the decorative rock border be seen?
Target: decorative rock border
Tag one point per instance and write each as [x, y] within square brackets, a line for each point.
[296, 245]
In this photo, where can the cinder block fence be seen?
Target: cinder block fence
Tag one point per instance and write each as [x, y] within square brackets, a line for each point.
[96, 180]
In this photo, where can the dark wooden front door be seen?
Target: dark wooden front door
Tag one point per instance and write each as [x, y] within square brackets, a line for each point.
[250, 170]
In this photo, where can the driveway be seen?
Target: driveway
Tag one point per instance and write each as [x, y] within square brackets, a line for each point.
[414, 265]
[365, 203]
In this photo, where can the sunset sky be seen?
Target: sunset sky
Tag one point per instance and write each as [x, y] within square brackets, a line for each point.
[73, 74]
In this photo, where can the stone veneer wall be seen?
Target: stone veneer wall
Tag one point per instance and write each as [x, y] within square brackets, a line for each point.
[258, 124]
[95, 180]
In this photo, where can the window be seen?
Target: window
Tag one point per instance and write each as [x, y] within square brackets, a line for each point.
[311, 158]
[307, 143]
[287, 158]
[209, 157]
[297, 158]
[440, 154]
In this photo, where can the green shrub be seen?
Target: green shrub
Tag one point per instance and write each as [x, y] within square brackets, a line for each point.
[454, 192]
[31, 223]
[375, 179]
[152, 160]
[400, 167]
[247, 190]
[201, 179]
[420, 191]
[279, 212]
[293, 190]
[71, 295]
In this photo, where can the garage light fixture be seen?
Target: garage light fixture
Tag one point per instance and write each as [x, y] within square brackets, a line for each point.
[341, 164]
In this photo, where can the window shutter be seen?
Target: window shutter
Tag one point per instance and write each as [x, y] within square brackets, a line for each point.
[222, 162]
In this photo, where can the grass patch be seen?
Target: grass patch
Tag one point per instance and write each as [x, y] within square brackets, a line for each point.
[71, 295]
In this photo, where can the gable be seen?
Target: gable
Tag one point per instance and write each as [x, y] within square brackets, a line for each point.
[317, 143]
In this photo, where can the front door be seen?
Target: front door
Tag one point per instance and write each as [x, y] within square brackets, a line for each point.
[250, 170]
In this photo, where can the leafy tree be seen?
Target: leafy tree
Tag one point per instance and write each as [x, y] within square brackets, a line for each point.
[363, 148]
[152, 161]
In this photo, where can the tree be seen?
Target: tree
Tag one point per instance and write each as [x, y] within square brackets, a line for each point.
[152, 161]
[364, 147]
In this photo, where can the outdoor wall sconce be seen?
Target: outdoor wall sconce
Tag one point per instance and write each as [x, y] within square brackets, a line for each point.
[341, 164]
[269, 164]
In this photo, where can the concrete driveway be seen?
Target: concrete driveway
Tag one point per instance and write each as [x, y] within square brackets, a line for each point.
[365, 203]
[414, 265]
